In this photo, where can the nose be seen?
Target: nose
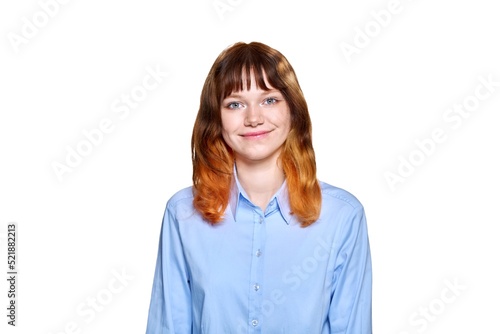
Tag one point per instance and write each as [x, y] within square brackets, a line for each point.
[253, 116]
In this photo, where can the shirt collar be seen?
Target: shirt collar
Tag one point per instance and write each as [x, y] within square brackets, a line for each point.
[238, 194]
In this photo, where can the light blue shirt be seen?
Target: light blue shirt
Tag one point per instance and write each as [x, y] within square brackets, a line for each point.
[260, 272]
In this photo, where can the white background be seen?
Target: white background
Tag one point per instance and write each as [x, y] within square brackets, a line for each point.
[104, 216]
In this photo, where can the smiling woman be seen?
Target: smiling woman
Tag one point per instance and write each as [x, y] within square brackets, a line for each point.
[255, 124]
[253, 69]
[257, 244]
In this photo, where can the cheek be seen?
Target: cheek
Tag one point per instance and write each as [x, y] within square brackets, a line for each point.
[226, 131]
[285, 121]
[226, 138]
[288, 123]
[286, 118]
[229, 124]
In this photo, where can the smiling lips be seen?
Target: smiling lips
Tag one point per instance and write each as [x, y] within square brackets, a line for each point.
[255, 135]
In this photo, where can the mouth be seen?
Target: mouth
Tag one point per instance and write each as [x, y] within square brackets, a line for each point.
[255, 135]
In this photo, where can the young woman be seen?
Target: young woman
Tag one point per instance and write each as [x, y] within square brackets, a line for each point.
[258, 244]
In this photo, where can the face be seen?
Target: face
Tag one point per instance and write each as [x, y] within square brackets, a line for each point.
[255, 123]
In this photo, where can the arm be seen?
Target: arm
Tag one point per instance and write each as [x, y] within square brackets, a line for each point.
[170, 307]
[350, 307]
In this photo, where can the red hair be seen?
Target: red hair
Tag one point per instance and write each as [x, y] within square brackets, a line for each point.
[213, 159]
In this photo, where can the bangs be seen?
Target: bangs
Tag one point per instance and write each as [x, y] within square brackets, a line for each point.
[236, 71]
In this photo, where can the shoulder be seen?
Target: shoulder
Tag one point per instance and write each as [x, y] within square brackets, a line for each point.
[181, 199]
[180, 206]
[340, 206]
[339, 197]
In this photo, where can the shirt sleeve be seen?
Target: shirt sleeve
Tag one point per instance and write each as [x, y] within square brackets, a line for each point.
[170, 307]
[351, 304]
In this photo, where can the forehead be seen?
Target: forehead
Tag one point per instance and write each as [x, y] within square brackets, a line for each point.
[244, 79]
[250, 80]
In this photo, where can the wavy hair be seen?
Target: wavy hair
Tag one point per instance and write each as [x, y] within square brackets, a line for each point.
[213, 159]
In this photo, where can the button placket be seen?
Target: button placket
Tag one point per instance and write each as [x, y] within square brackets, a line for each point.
[255, 288]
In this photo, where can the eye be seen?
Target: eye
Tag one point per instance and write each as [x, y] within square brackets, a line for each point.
[270, 100]
[234, 105]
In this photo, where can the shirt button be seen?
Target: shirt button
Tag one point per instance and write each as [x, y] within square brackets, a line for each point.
[261, 220]
[258, 253]
[256, 287]
[255, 322]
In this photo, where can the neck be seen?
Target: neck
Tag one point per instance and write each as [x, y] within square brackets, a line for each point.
[260, 181]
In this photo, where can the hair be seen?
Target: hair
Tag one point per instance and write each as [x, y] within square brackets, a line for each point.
[213, 159]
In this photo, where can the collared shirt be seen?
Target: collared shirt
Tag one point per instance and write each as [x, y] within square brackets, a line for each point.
[260, 271]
